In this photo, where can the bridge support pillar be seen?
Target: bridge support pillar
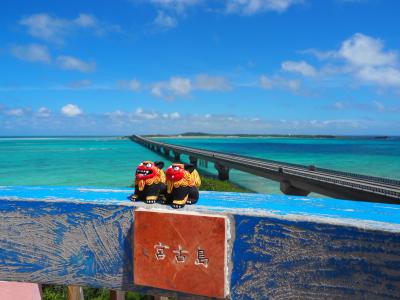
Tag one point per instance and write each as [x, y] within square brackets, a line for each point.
[166, 151]
[193, 161]
[177, 156]
[288, 189]
[223, 171]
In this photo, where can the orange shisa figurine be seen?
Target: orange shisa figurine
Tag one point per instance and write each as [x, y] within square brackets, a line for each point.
[149, 182]
[183, 182]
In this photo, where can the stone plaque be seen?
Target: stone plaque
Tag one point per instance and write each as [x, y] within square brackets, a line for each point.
[180, 251]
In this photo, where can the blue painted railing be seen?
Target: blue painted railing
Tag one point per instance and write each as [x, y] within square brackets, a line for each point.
[282, 247]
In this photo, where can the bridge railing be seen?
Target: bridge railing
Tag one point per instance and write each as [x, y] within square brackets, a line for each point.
[283, 164]
[295, 179]
[229, 245]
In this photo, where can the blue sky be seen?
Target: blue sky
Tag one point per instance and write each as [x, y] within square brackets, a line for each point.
[168, 66]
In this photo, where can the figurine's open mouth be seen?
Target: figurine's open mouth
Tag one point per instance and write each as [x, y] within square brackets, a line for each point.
[143, 172]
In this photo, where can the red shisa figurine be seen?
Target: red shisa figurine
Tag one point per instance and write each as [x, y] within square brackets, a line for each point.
[149, 182]
[183, 182]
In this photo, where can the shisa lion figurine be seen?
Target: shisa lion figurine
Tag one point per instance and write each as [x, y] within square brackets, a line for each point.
[149, 182]
[183, 182]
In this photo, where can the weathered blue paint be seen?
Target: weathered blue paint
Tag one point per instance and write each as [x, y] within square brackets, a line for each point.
[282, 259]
[284, 246]
[228, 202]
[38, 242]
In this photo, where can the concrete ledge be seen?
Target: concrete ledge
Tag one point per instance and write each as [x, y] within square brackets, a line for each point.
[282, 246]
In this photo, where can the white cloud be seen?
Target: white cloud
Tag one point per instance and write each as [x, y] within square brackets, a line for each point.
[165, 21]
[117, 113]
[15, 112]
[175, 86]
[339, 105]
[243, 7]
[179, 6]
[123, 118]
[365, 58]
[384, 76]
[291, 84]
[44, 26]
[251, 7]
[174, 116]
[268, 83]
[133, 85]
[43, 112]
[169, 11]
[161, 123]
[361, 50]
[373, 106]
[301, 67]
[84, 20]
[212, 83]
[379, 106]
[322, 55]
[183, 86]
[79, 84]
[32, 53]
[54, 29]
[141, 113]
[71, 110]
[180, 86]
[157, 89]
[352, 1]
[126, 122]
[73, 63]
[369, 61]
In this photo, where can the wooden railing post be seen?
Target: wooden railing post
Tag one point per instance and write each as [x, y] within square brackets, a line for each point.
[75, 292]
[117, 295]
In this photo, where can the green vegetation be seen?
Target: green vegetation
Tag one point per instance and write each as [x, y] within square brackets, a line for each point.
[213, 184]
[59, 292]
[54, 292]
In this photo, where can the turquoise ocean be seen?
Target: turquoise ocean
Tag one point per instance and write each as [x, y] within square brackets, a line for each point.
[111, 162]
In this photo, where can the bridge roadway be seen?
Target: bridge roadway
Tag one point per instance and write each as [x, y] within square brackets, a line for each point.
[294, 179]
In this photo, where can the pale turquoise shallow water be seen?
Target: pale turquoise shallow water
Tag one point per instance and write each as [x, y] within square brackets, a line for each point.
[111, 162]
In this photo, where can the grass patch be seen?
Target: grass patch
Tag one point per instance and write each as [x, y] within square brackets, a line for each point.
[59, 292]
[213, 184]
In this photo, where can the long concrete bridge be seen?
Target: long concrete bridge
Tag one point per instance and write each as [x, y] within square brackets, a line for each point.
[294, 179]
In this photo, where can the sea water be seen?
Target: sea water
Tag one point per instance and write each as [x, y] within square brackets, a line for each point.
[370, 156]
[111, 162]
